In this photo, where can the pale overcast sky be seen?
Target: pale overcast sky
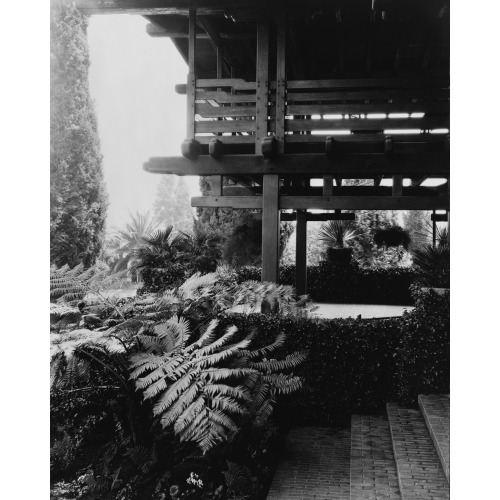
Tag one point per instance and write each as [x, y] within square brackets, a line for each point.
[132, 79]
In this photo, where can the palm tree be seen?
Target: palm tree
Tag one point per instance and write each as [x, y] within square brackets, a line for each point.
[202, 247]
[336, 233]
[160, 250]
[130, 238]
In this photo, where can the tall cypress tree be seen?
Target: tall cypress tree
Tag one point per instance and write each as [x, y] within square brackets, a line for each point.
[78, 199]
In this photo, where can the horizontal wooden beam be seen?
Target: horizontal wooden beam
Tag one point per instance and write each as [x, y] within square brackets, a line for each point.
[365, 202]
[152, 7]
[335, 191]
[253, 202]
[324, 217]
[384, 83]
[158, 32]
[329, 202]
[349, 166]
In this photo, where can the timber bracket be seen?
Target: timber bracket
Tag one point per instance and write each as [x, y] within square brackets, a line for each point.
[269, 148]
[190, 148]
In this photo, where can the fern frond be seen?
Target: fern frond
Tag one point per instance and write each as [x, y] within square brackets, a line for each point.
[227, 404]
[189, 414]
[223, 420]
[178, 408]
[264, 411]
[274, 365]
[240, 392]
[222, 374]
[214, 346]
[239, 481]
[170, 395]
[207, 337]
[284, 384]
[197, 281]
[264, 351]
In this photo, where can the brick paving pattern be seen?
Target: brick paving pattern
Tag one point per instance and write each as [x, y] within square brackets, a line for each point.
[419, 469]
[315, 466]
[436, 411]
[373, 468]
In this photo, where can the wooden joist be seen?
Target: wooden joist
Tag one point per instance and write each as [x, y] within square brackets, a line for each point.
[349, 166]
[329, 202]
[322, 217]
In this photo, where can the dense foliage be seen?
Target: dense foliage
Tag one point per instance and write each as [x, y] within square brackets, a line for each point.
[357, 365]
[78, 200]
[348, 283]
[152, 398]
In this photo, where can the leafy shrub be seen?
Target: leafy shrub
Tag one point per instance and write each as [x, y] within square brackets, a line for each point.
[423, 353]
[357, 365]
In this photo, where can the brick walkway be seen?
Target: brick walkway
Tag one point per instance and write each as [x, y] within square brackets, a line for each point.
[373, 468]
[316, 466]
[404, 456]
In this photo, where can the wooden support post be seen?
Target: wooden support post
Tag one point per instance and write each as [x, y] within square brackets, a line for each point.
[216, 147]
[301, 253]
[190, 148]
[280, 85]
[216, 185]
[327, 185]
[434, 229]
[270, 228]
[262, 83]
[397, 185]
[191, 80]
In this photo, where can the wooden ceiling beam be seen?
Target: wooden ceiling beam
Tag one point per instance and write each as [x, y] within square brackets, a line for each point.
[348, 166]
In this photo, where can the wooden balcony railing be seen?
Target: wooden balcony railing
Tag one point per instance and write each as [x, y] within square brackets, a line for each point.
[226, 109]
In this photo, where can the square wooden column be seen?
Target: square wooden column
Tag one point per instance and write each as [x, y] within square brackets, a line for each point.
[270, 228]
[301, 253]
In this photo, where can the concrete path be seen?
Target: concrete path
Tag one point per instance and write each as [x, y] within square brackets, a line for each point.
[354, 310]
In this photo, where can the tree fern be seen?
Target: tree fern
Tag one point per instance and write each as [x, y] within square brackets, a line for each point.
[203, 390]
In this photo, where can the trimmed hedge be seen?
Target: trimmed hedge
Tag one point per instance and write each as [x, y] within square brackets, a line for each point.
[357, 366]
[348, 284]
